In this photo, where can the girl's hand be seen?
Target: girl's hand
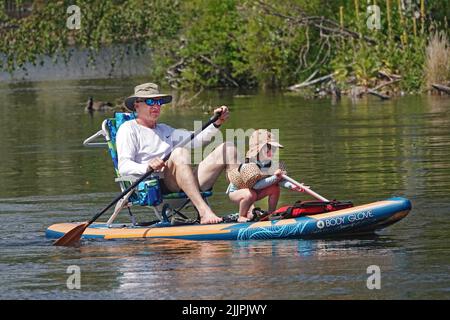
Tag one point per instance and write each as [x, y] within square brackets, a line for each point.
[278, 173]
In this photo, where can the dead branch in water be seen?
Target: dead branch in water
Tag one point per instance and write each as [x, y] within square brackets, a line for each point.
[377, 94]
[374, 92]
[378, 87]
[308, 83]
[441, 88]
[312, 75]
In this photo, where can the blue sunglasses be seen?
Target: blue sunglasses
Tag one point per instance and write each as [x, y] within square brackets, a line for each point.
[151, 102]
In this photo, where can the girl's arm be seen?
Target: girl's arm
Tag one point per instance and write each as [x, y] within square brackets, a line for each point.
[265, 182]
[268, 181]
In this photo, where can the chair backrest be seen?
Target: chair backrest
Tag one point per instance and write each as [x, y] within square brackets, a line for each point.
[111, 127]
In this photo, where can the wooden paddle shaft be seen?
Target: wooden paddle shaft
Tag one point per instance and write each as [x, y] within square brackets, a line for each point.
[307, 190]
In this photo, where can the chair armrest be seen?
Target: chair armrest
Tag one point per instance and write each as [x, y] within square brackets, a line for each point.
[89, 141]
[126, 179]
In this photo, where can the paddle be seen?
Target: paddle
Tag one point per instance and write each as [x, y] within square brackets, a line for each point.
[305, 188]
[73, 236]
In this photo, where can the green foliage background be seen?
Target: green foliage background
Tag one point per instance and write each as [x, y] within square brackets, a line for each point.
[245, 43]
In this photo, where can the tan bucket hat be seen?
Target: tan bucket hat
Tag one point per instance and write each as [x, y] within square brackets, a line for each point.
[146, 90]
[258, 140]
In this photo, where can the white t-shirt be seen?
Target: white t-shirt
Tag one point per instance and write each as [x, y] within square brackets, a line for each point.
[137, 144]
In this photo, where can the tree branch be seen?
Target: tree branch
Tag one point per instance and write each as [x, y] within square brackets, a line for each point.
[225, 74]
[318, 22]
[308, 83]
[441, 88]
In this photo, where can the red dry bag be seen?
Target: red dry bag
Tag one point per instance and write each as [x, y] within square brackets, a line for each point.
[304, 208]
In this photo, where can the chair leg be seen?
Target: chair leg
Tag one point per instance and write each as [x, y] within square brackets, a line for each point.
[133, 218]
[164, 211]
[157, 213]
[177, 211]
[122, 203]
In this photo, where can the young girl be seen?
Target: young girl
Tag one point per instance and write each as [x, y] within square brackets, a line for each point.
[258, 177]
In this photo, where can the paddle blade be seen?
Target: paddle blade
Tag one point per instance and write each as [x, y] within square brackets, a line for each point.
[72, 237]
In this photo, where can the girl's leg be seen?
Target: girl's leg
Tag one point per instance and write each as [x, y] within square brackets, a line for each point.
[273, 192]
[245, 198]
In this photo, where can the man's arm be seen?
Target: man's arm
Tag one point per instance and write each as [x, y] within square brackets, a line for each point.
[127, 144]
[201, 139]
[206, 135]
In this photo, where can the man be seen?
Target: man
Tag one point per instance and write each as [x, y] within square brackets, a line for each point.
[143, 142]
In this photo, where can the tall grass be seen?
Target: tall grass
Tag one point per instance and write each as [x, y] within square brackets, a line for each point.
[437, 63]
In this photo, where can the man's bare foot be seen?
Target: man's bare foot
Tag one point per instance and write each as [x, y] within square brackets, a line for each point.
[209, 218]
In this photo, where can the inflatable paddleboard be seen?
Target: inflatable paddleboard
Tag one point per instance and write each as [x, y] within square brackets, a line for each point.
[362, 219]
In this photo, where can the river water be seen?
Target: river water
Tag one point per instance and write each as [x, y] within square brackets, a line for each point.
[363, 151]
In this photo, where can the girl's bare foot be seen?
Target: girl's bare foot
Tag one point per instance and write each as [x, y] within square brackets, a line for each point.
[242, 219]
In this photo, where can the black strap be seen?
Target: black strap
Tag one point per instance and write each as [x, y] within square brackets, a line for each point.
[300, 204]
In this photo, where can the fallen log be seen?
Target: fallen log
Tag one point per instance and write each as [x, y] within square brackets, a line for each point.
[377, 94]
[378, 87]
[389, 76]
[374, 91]
[308, 83]
[441, 88]
[312, 75]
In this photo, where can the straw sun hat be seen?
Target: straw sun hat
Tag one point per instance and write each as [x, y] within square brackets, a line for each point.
[258, 140]
[146, 90]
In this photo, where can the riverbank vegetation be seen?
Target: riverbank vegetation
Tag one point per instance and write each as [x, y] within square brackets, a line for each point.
[380, 47]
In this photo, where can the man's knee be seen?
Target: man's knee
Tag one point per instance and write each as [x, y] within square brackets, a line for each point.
[181, 156]
[229, 147]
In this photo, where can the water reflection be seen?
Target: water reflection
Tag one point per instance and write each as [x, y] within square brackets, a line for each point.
[363, 152]
[176, 269]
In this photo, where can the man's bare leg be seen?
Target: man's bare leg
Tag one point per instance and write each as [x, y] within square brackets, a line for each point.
[178, 175]
[224, 157]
